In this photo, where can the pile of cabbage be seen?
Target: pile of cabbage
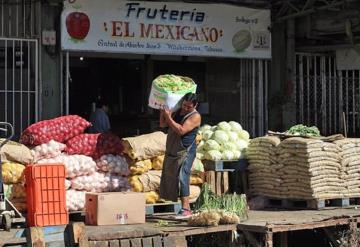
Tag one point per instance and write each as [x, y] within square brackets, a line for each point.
[174, 83]
[224, 141]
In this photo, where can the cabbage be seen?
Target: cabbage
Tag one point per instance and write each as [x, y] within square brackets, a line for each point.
[213, 128]
[213, 155]
[237, 154]
[173, 83]
[241, 144]
[207, 134]
[197, 166]
[229, 146]
[244, 135]
[233, 136]
[205, 127]
[201, 144]
[220, 136]
[211, 145]
[199, 155]
[235, 126]
[224, 126]
[227, 155]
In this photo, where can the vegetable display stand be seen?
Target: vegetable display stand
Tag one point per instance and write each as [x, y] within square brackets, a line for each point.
[218, 181]
[45, 195]
[237, 169]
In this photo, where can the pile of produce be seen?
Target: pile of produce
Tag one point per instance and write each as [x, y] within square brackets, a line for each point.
[146, 146]
[14, 158]
[297, 168]
[303, 130]
[311, 168]
[147, 157]
[263, 166]
[94, 162]
[113, 163]
[94, 145]
[212, 210]
[224, 141]
[350, 166]
[13, 178]
[58, 129]
[173, 83]
[48, 150]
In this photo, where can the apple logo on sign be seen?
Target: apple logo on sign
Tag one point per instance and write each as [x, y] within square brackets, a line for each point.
[77, 25]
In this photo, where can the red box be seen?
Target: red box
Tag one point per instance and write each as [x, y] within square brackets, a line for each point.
[45, 195]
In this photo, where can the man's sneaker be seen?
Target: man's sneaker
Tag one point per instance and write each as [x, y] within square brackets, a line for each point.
[183, 214]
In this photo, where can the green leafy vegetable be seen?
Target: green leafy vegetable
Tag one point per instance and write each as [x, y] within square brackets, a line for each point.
[231, 203]
[173, 83]
[303, 130]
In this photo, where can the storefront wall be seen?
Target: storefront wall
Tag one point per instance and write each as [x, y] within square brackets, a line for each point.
[232, 88]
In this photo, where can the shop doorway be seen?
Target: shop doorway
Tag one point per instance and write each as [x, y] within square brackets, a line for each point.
[125, 85]
[118, 81]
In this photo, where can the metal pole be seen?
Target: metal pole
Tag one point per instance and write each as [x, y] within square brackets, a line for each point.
[37, 83]
[253, 98]
[299, 59]
[347, 98]
[353, 100]
[267, 64]
[21, 85]
[261, 97]
[61, 84]
[6, 81]
[13, 83]
[329, 86]
[28, 83]
[67, 83]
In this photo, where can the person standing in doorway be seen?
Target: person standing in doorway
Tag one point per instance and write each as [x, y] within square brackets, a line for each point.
[99, 118]
[180, 151]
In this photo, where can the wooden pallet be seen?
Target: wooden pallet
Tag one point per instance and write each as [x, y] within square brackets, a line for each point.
[220, 165]
[62, 235]
[306, 204]
[156, 241]
[163, 208]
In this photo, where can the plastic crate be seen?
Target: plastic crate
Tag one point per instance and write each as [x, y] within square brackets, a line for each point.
[45, 195]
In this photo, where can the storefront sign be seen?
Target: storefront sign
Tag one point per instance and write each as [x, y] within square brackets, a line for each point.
[173, 28]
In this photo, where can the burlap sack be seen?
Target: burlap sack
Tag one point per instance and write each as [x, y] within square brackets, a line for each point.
[259, 152]
[272, 140]
[298, 150]
[145, 146]
[15, 152]
[347, 141]
[150, 180]
[323, 154]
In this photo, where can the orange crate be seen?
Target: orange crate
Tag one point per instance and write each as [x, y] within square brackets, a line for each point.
[45, 195]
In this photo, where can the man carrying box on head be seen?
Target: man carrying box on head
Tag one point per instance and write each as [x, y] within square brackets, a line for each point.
[180, 151]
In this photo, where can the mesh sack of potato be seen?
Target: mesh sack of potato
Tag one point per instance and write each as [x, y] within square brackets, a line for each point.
[140, 167]
[135, 184]
[145, 146]
[151, 197]
[157, 162]
[196, 179]
[150, 180]
[12, 173]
